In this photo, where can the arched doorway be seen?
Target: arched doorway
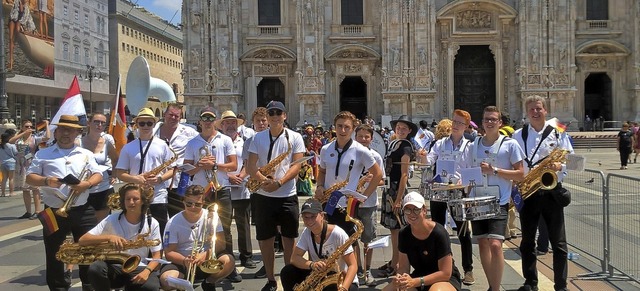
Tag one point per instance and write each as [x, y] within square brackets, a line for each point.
[474, 80]
[597, 96]
[270, 89]
[353, 96]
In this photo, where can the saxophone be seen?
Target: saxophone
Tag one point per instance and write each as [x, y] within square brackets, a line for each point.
[541, 177]
[73, 253]
[114, 199]
[73, 194]
[326, 194]
[319, 279]
[267, 170]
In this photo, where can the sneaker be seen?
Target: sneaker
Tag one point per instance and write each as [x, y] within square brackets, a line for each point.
[234, 277]
[389, 272]
[25, 215]
[248, 263]
[206, 286]
[368, 278]
[270, 286]
[541, 253]
[279, 253]
[67, 277]
[34, 216]
[360, 275]
[468, 278]
[528, 288]
[262, 273]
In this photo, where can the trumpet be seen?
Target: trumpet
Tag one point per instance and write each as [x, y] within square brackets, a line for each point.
[211, 175]
[73, 194]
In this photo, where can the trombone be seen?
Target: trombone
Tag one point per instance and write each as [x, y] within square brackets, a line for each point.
[206, 234]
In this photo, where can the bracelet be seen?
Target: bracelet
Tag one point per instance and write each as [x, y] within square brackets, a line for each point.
[46, 181]
[279, 184]
[421, 281]
[150, 270]
[311, 266]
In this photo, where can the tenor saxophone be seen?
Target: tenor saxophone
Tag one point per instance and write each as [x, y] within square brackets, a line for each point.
[267, 170]
[319, 279]
[114, 199]
[73, 194]
[542, 177]
[73, 253]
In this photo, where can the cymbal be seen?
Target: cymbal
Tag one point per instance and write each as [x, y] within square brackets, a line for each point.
[448, 187]
[412, 164]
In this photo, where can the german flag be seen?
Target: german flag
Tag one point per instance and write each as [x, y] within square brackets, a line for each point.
[41, 126]
[352, 207]
[49, 221]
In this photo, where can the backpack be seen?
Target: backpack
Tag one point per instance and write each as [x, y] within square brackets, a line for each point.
[393, 146]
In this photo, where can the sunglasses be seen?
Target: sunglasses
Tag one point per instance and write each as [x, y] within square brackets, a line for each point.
[207, 118]
[28, 126]
[415, 211]
[143, 124]
[99, 122]
[192, 204]
[274, 112]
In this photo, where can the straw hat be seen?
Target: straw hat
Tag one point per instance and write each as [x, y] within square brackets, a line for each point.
[146, 113]
[69, 121]
[227, 115]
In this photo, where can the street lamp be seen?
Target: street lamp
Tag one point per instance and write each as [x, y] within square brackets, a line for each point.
[90, 75]
[4, 109]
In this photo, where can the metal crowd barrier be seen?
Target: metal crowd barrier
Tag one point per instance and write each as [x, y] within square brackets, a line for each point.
[602, 222]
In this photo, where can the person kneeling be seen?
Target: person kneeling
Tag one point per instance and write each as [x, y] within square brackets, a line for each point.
[118, 230]
[425, 246]
[194, 223]
[321, 240]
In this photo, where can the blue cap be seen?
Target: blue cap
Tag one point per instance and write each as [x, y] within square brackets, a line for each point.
[276, 105]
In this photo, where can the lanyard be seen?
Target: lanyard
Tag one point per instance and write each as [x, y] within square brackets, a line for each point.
[143, 154]
[346, 147]
[322, 239]
[272, 142]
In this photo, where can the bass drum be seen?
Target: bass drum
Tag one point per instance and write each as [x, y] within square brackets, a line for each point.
[377, 144]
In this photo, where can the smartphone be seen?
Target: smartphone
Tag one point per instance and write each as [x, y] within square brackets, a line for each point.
[70, 180]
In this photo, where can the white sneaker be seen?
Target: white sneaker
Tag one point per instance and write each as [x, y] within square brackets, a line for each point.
[368, 278]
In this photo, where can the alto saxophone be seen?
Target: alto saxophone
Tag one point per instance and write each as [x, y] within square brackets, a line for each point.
[542, 177]
[114, 199]
[73, 194]
[267, 170]
[319, 279]
[73, 253]
[326, 194]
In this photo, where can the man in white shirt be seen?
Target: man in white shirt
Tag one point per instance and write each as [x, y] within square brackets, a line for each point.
[118, 229]
[144, 154]
[176, 135]
[244, 131]
[51, 170]
[276, 200]
[213, 155]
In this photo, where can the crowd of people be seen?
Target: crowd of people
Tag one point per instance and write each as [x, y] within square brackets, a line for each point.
[179, 188]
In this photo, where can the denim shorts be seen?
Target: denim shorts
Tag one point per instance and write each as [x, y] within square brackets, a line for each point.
[9, 165]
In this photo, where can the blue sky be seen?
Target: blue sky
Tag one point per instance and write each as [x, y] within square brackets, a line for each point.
[163, 8]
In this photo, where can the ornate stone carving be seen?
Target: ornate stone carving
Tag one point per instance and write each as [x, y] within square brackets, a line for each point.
[195, 22]
[212, 78]
[310, 82]
[308, 57]
[222, 57]
[395, 82]
[422, 12]
[195, 83]
[352, 68]
[423, 82]
[300, 80]
[473, 19]
[384, 79]
[308, 12]
[268, 54]
[522, 76]
[533, 79]
[534, 59]
[395, 59]
[598, 63]
[272, 69]
[194, 60]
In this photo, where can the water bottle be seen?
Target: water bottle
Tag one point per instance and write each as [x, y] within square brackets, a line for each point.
[573, 256]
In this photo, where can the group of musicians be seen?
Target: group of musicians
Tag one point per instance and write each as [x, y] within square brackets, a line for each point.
[222, 157]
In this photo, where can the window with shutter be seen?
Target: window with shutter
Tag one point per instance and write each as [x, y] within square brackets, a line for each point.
[269, 12]
[597, 10]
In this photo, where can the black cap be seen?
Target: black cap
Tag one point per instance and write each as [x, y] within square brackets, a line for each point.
[312, 206]
[276, 105]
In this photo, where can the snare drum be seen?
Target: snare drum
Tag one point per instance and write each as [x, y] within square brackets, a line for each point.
[477, 208]
[441, 192]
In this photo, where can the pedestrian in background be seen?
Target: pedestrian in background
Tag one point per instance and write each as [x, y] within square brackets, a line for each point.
[8, 154]
[624, 142]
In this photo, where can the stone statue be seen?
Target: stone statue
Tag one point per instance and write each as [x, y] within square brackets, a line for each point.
[534, 58]
[423, 56]
[522, 76]
[212, 79]
[300, 76]
[395, 58]
[222, 57]
[308, 57]
[308, 10]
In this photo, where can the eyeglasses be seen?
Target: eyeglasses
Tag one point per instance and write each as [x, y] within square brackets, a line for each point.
[490, 120]
[273, 112]
[193, 204]
[99, 122]
[143, 124]
[415, 211]
[455, 122]
[207, 118]
[28, 126]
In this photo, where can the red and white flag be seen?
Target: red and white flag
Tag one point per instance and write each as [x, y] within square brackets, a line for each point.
[71, 105]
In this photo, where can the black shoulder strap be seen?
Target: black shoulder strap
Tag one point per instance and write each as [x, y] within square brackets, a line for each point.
[525, 135]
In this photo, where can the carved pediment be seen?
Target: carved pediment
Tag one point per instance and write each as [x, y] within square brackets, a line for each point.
[269, 53]
[352, 53]
[473, 19]
[602, 47]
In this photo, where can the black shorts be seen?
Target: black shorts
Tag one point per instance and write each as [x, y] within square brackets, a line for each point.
[271, 212]
[492, 228]
[453, 280]
[200, 275]
[99, 200]
[338, 218]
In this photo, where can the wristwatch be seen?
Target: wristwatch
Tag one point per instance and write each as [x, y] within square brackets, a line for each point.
[495, 171]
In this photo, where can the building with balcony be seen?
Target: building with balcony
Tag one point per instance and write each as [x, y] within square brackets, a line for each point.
[423, 58]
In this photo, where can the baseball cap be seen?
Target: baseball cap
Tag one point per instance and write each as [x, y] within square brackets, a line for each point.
[208, 110]
[276, 105]
[312, 206]
[413, 198]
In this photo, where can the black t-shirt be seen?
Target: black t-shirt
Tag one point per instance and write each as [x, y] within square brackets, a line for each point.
[404, 148]
[625, 138]
[424, 254]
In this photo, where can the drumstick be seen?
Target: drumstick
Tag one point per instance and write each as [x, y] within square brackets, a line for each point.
[390, 201]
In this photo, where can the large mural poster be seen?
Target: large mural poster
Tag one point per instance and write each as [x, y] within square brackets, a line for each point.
[29, 42]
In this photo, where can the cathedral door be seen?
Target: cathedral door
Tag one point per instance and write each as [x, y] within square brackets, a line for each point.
[597, 96]
[270, 89]
[353, 96]
[474, 80]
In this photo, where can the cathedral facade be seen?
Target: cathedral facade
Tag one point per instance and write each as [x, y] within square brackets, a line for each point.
[423, 58]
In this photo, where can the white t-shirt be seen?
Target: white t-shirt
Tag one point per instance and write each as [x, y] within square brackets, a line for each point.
[182, 232]
[116, 225]
[239, 192]
[178, 142]
[357, 155]
[220, 147]
[445, 150]
[157, 154]
[372, 201]
[551, 142]
[260, 147]
[508, 154]
[335, 239]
